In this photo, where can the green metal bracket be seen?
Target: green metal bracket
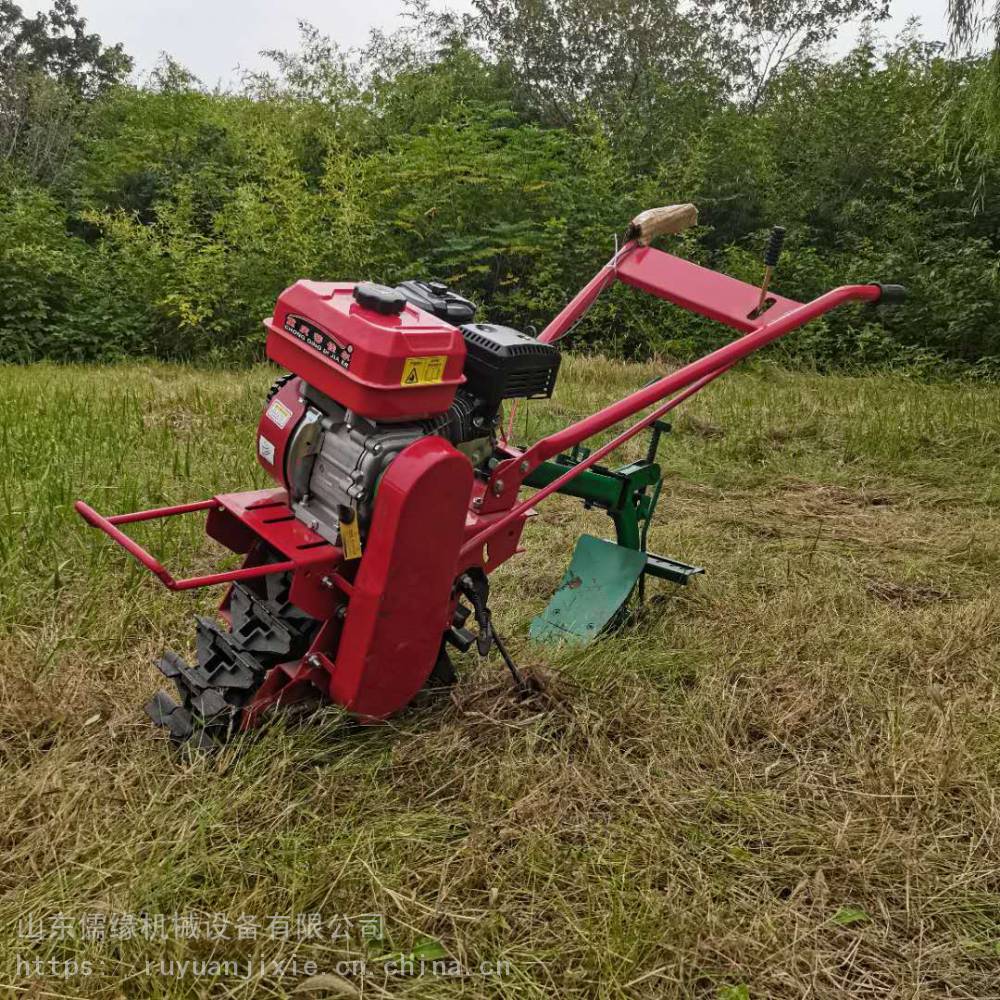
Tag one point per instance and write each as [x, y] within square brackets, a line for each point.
[602, 575]
[670, 569]
[629, 494]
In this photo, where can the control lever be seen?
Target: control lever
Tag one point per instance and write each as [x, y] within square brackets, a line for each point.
[771, 254]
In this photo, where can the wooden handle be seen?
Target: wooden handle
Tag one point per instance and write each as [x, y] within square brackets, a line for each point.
[669, 219]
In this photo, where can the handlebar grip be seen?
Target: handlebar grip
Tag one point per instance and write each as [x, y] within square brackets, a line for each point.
[891, 295]
[669, 219]
[773, 249]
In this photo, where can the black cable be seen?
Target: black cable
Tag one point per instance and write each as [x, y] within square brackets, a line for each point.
[514, 672]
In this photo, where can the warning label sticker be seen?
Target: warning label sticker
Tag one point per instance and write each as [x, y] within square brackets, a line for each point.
[423, 371]
[266, 449]
[279, 414]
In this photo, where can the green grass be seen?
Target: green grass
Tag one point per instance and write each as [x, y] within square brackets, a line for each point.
[779, 782]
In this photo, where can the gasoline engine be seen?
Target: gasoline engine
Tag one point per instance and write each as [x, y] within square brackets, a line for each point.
[374, 370]
[366, 387]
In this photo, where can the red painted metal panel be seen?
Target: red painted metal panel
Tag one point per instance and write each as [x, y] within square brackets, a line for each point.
[502, 544]
[276, 426]
[699, 290]
[402, 599]
[357, 356]
[267, 514]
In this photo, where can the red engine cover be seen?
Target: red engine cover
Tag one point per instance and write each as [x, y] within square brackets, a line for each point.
[277, 424]
[402, 367]
[401, 600]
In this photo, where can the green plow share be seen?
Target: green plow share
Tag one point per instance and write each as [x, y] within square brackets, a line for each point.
[603, 575]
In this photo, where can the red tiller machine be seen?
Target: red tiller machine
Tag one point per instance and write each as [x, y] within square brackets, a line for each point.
[399, 491]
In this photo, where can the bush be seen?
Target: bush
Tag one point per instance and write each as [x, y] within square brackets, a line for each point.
[184, 213]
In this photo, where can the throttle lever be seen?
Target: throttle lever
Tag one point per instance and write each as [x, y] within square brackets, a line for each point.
[771, 254]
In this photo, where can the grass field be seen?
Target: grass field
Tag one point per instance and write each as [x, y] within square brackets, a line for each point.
[779, 782]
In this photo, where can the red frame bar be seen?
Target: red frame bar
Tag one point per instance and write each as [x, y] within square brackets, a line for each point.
[149, 515]
[700, 290]
[134, 549]
[521, 509]
[574, 310]
[549, 447]
[507, 478]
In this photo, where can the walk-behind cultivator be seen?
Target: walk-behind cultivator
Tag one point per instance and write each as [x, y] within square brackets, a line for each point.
[399, 490]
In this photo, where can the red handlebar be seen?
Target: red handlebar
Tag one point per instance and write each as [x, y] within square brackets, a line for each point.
[694, 288]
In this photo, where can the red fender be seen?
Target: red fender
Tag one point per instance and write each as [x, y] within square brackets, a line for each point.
[401, 601]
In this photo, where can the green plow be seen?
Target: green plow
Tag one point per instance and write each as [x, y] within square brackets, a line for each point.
[603, 575]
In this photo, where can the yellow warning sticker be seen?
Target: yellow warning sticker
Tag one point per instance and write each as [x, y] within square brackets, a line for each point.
[350, 538]
[423, 371]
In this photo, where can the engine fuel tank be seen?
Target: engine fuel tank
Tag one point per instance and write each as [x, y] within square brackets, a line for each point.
[367, 348]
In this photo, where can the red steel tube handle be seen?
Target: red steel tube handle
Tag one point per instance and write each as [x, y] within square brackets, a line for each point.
[585, 298]
[150, 515]
[592, 459]
[134, 549]
[552, 445]
[619, 440]
[686, 381]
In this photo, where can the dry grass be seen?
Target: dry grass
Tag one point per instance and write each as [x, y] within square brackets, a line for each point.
[779, 782]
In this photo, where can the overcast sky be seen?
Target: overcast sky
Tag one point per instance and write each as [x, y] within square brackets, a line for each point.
[214, 37]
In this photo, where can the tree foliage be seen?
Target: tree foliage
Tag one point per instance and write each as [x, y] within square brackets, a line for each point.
[56, 44]
[49, 66]
[501, 151]
[973, 21]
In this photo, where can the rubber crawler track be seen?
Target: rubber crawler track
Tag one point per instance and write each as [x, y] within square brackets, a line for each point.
[231, 664]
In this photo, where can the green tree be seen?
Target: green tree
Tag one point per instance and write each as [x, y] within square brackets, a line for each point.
[56, 44]
[49, 66]
[972, 20]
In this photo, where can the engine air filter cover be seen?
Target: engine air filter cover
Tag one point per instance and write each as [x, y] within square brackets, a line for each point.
[504, 363]
[398, 365]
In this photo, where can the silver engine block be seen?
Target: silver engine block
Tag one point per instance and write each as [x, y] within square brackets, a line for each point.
[336, 460]
[335, 457]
